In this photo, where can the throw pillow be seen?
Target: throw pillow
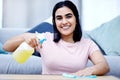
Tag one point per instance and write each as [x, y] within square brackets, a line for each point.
[42, 27]
[107, 36]
[1, 50]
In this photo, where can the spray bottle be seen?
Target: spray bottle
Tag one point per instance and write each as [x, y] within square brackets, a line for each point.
[24, 51]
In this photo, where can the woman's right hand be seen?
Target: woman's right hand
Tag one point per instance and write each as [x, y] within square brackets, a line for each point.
[32, 40]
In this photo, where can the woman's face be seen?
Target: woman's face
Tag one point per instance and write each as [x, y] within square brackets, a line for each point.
[65, 21]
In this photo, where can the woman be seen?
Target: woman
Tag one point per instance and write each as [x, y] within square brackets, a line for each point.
[65, 50]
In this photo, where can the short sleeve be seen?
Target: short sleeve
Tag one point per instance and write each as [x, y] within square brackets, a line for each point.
[92, 47]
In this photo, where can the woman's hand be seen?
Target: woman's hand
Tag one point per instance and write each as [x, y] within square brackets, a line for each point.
[85, 72]
[32, 40]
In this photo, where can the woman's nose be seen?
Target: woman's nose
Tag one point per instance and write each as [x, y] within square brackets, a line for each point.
[64, 21]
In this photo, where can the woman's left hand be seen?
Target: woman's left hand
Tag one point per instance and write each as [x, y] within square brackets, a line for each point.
[85, 72]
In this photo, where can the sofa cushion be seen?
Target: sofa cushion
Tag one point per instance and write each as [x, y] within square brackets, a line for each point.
[107, 36]
[42, 27]
[9, 66]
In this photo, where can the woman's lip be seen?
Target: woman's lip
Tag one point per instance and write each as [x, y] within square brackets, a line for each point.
[65, 27]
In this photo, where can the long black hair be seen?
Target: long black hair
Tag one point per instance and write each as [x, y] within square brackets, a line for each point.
[77, 34]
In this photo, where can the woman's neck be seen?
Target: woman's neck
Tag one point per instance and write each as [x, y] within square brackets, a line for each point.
[68, 39]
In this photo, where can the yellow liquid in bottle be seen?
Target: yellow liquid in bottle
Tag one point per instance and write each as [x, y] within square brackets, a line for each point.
[21, 56]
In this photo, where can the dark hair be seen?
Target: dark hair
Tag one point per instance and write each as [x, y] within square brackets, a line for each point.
[77, 34]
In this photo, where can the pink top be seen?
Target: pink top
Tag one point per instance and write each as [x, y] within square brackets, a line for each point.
[64, 57]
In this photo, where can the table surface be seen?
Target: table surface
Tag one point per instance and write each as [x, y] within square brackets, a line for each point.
[50, 77]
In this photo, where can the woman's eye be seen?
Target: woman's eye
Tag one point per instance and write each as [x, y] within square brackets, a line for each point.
[59, 18]
[69, 16]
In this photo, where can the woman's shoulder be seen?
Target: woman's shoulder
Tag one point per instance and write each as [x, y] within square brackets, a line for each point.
[48, 34]
[86, 41]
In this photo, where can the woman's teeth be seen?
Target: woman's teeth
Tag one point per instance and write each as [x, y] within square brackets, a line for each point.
[66, 27]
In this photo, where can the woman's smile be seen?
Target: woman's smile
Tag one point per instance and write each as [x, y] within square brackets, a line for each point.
[65, 28]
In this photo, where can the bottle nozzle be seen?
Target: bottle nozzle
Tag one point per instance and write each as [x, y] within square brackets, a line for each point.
[41, 37]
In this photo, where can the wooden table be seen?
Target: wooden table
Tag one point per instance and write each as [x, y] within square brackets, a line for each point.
[51, 77]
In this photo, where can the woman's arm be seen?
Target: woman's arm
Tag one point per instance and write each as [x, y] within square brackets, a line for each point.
[11, 44]
[100, 66]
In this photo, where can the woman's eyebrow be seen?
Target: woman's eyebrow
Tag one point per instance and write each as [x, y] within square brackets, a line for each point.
[69, 14]
[58, 15]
